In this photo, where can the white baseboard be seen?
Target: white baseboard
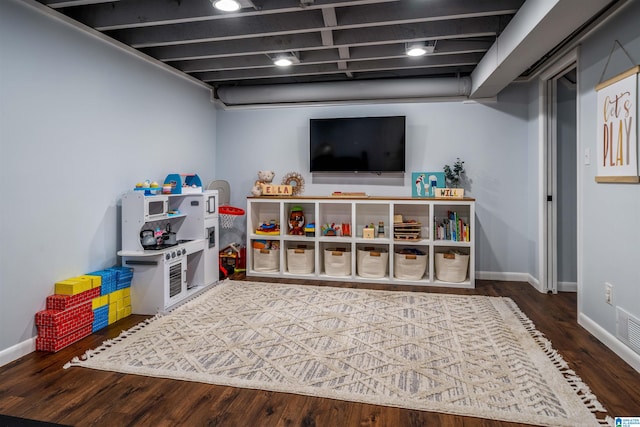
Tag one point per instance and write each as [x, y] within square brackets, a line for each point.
[510, 277]
[498, 275]
[536, 284]
[614, 344]
[17, 351]
[567, 286]
[524, 277]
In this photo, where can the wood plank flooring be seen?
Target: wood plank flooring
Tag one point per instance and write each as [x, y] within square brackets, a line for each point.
[37, 387]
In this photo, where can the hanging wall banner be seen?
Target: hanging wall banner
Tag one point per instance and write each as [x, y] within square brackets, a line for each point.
[617, 138]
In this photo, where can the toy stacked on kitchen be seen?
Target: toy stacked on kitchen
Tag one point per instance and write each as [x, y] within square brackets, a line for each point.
[82, 305]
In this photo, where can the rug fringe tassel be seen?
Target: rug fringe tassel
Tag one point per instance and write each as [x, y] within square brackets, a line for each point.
[581, 389]
[608, 421]
[77, 361]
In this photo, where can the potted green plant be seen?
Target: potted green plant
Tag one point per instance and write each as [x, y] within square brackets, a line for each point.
[453, 175]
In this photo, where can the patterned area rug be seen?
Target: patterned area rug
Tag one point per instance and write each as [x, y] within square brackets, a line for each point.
[467, 355]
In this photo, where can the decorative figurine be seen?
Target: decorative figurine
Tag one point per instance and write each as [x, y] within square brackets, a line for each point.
[330, 229]
[310, 230]
[296, 221]
[264, 177]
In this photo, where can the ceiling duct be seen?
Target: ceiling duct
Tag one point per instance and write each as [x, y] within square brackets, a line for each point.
[370, 90]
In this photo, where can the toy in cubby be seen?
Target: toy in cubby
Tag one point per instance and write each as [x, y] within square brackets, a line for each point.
[330, 229]
[266, 255]
[269, 228]
[310, 230]
[81, 305]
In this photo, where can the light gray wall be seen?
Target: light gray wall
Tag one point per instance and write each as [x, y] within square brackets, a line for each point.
[491, 139]
[80, 123]
[610, 212]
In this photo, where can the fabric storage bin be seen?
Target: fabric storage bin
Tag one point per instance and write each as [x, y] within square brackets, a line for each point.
[300, 260]
[452, 267]
[266, 259]
[337, 262]
[409, 265]
[372, 262]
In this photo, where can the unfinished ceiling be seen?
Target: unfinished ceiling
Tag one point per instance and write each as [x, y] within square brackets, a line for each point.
[333, 40]
[329, 40]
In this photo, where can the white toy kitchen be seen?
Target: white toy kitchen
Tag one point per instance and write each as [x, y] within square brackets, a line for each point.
[180, 259]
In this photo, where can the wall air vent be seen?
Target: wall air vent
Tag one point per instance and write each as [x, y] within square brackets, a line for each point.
[628, 329]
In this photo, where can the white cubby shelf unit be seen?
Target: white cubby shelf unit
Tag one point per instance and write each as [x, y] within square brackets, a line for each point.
[423, 214]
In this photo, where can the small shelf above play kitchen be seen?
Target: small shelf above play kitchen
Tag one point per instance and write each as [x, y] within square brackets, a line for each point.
[350, 234]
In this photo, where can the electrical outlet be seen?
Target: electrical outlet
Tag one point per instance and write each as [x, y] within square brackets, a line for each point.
[608, 293]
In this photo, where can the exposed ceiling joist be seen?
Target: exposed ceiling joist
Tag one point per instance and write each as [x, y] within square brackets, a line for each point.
[336, 40]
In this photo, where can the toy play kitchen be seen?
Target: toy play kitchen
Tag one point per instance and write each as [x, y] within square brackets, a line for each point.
[171, 242]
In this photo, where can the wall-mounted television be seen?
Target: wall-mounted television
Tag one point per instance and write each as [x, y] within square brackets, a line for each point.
[357, 144]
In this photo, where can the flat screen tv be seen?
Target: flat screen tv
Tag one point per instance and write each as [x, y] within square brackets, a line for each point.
[357, 144]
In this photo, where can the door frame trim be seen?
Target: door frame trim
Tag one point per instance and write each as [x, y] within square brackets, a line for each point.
[547, 235]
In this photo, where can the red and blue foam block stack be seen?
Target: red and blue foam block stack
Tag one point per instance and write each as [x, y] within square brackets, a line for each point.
[69, 314]
[82, 305]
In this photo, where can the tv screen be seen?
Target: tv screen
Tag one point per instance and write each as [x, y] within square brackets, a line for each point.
[357, 144]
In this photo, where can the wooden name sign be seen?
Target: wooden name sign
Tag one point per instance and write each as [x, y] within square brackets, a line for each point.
[449, 193]
[276, 190]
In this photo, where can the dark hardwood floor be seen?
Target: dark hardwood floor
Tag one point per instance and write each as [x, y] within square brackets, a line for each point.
[37, 387]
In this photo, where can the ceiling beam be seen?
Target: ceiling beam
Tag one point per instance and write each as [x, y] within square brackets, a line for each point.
[474, 27]
[57, 4]
[329, 17]
[354, 67]
[535, 30]
[145, 13]
[327, 37]
[304, 20]
[341, 54]
[334, 74]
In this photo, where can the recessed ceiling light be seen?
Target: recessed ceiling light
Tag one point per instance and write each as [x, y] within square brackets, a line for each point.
[283, 62]
[284, 59]
[416, 51]
[420, 48]
[226, 5]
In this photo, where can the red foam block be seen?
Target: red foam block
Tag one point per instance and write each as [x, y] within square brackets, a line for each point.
[64, 302]
[55, 344]
[54, 317]
[61, 330]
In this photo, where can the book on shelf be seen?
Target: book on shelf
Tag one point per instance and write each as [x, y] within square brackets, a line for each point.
[452, 227]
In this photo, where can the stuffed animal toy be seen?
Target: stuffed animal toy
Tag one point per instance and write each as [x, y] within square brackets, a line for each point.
[264, 177]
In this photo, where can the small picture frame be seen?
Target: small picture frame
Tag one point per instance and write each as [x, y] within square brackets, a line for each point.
[423, 184]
